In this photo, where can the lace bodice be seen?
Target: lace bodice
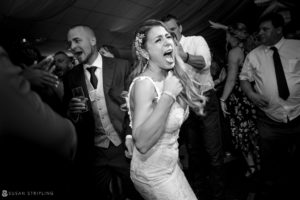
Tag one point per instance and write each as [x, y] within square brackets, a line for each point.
[177, 113]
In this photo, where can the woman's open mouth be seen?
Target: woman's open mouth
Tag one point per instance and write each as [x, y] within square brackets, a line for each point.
[169, 56]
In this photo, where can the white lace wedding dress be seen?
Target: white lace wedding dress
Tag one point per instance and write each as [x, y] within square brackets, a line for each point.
[157, 174]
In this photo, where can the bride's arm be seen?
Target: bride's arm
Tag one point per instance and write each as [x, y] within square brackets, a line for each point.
[148, 120]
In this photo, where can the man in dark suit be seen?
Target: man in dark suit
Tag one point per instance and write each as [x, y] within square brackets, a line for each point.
[101, 129]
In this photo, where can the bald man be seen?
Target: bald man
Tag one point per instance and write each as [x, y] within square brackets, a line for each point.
[103, 128]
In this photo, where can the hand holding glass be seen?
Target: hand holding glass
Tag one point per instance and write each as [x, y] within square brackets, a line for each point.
[78, 93]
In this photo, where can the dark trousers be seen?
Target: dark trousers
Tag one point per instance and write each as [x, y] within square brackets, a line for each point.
[112, 170]
[203, 138]
[280, 156]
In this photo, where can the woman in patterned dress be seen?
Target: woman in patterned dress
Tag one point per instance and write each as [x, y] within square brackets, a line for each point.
[235, 105]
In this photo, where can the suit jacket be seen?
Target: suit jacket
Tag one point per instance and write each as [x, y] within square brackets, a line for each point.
[115, 74]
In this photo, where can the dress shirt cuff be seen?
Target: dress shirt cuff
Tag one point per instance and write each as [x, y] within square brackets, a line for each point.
[128, 137]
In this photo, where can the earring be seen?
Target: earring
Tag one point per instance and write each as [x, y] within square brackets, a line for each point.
[144, 54]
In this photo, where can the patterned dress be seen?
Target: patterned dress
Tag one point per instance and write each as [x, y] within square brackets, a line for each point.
[242, 122]
[156, 174]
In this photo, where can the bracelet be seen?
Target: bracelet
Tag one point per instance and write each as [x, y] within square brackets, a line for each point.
[222, 100]
[187, 57]
[169, 94]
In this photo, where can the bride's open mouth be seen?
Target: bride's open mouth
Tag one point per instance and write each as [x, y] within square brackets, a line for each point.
[169, 56]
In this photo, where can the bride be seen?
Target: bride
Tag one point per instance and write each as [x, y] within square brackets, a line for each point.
[158, 101]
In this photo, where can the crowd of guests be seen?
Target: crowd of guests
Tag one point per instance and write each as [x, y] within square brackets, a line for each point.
[258, 106]
[174, 93]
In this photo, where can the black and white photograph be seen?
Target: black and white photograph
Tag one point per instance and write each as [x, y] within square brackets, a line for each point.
[150, 99]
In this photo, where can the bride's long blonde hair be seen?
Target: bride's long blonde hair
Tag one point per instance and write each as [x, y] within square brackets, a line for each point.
[191, 93]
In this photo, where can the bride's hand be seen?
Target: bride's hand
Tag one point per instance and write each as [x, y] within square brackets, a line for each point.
[172, 84]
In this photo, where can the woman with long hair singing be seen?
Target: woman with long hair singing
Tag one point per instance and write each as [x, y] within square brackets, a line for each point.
[158, 99]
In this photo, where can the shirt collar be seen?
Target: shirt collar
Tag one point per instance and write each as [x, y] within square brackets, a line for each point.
[277, 45]
[182, 39]
[97, 63]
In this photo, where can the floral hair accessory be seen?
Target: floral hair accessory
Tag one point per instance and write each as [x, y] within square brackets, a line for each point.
[138, 44]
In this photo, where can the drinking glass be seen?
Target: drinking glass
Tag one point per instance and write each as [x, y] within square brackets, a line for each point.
[78, 93]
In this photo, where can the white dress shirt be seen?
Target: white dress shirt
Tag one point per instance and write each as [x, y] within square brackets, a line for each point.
[259, 67]
[197, 46]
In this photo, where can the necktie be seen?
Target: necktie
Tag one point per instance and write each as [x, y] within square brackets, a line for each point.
[93, 79]
[282, 86]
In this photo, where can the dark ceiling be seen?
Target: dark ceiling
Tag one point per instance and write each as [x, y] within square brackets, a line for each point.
[45, 22]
